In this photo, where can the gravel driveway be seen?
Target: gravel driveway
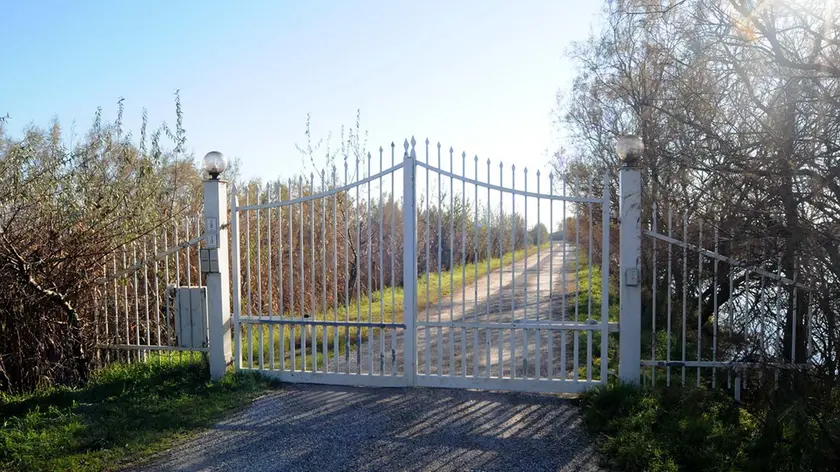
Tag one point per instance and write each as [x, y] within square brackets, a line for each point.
[327, 428]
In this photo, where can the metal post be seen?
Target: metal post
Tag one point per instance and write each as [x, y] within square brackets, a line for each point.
[630, 293]
[409, 260]
[218, 284]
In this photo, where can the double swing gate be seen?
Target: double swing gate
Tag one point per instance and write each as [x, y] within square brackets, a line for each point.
[359, 277]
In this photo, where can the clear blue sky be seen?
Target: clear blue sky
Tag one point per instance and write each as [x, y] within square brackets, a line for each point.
[477, 75]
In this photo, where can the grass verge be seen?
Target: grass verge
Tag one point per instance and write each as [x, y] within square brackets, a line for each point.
[125, 412]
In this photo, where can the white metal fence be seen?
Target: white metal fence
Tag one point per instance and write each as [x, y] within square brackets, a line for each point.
[728, 313]
[396, 271]
[138, 308]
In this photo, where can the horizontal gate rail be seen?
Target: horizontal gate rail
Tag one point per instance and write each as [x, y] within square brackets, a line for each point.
[489, 186]
[312, 322]
[738, 263]
[533, 325]
[318, 196]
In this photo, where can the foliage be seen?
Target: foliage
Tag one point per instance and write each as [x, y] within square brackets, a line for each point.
[122, 413]
[64, 208]
[670, 429]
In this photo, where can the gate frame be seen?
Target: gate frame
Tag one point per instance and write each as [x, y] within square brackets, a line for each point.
[220, 308]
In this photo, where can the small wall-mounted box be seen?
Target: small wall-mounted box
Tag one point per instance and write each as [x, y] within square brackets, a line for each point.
[191, 324]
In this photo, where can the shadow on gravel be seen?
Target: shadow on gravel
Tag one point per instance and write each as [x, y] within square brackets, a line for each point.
[328, 428]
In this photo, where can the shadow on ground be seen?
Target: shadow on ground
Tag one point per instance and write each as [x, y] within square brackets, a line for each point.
[328, 428]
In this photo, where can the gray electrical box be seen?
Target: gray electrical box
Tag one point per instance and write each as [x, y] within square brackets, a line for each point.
[191, 328]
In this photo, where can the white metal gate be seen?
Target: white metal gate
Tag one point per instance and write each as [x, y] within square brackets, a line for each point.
[343, 283]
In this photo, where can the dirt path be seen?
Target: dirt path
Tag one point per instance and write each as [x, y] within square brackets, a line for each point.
[530, 291]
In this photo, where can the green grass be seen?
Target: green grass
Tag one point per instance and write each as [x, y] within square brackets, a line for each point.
[382, 306]
[125, 412]
[581, 306]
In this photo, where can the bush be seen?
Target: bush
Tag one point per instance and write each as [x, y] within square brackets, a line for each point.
[703, 430]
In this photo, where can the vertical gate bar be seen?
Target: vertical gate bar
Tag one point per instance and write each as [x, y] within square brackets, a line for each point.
[335, 268]
[410, 260]
[303, 327]
[260, 326]
[105, 306]
[156, 285]
[589, 295]
[463, 238]
[576, 345]
[137, 352]
[501, 359]
[475, 283]
[346, 228]
[177, 276]
[393, 285]
[292, 327]
[763, 304]
[699, 294]
[381, 278]
[654, 219]
[188, 267]
[684, 293]
[301, 281]
[605, 278]
[668, 347]
[779, 331]
[237, 284]
[731, 308]
[198, 250]
[451, 264]
[248, 278]
[357, 263]
[177, 257]
[313, 329]
[146, 291]
[324, 332]
[427, 237]
[488, 333]
[538, 358]
[715, 310]
[550, 316]
[563, 290]
[125, 305]
[512, 269]
[369, 270]
[809, 327]
[439, 361]
[281, 306]
[116, 306]
[165, 293]
[539, 243]
[268, 222]
[525, 344]
[794, 313]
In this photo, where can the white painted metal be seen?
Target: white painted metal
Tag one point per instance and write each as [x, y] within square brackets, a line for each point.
[218, 284]
[630, 247]
[524, 331]
[410, 261]
[236, 285]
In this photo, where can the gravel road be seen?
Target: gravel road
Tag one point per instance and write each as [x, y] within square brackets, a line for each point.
[328, 428]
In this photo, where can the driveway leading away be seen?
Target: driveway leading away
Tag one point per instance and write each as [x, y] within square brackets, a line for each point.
[326, 428]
